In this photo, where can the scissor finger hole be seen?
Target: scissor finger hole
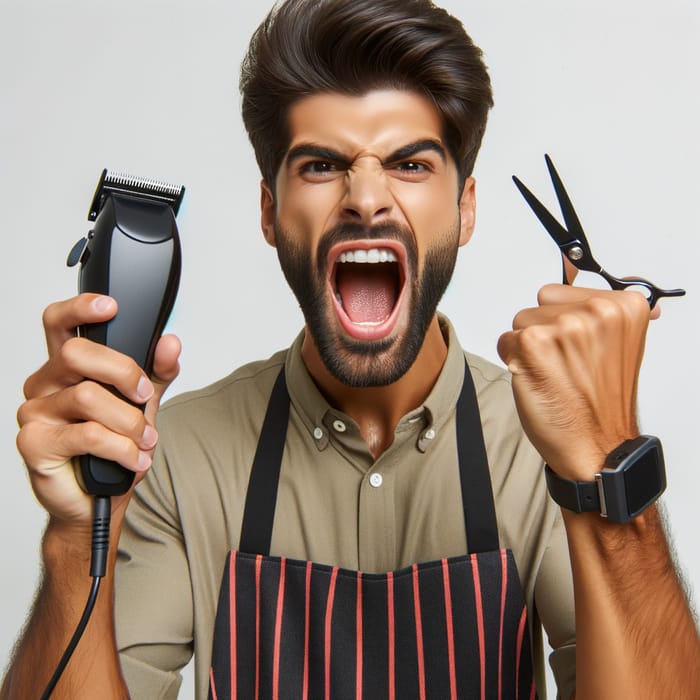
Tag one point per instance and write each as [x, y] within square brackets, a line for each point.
[640, 289]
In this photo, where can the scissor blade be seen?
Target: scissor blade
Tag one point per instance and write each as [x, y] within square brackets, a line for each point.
[567, 208]
[560, 235]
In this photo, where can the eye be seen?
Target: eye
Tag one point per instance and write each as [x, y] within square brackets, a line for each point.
[319, 168]
[411, 166]
[412, 170]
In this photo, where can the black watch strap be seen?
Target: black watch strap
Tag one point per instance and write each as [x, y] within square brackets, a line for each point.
[579, 496]
[631, 479]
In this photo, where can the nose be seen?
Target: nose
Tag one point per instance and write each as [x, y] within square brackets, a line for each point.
[367, 199]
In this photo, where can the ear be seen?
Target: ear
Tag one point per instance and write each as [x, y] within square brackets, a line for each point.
[267, 213]
[467, 211]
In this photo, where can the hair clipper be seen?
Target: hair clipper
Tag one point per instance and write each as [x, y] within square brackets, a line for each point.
[133, 255]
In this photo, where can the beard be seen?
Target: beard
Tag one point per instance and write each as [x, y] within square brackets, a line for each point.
[366, 363]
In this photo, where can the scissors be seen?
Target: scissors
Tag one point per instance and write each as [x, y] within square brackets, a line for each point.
[573, 243]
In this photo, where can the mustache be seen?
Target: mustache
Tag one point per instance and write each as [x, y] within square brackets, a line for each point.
[348, 232]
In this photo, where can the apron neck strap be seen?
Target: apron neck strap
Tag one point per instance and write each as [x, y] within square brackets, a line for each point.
[475, 478]
[477, 496]
[259, 512]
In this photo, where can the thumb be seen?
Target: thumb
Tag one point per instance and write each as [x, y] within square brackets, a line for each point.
[166, 367]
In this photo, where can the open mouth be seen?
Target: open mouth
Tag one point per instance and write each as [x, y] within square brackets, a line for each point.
[367, 281]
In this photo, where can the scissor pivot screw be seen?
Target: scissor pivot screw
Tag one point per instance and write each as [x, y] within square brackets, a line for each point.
[575, 253]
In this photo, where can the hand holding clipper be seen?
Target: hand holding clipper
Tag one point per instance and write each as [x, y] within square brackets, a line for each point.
[132, 255]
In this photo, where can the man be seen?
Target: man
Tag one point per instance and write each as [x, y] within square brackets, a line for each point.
[366, 118]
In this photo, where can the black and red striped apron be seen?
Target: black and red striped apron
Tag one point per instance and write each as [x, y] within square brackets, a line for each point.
[442, 630]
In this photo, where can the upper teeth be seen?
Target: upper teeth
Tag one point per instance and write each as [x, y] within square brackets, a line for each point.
[373, 255]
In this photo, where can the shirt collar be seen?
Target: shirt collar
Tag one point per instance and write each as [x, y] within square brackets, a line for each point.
[432, 415]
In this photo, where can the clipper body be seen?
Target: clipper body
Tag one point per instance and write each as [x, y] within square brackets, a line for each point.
[133, 255]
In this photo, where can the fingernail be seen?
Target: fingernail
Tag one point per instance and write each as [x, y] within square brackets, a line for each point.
[144, 460]
[144, 389]
[149, 437]
[101, 304]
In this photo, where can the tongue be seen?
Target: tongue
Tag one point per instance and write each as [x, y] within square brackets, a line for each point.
[368, 291]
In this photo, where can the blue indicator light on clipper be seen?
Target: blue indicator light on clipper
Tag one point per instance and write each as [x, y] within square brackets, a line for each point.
[133, 255]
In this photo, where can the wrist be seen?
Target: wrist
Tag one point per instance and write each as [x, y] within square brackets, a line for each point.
[68, 543]
[63, 540]
[581, 462]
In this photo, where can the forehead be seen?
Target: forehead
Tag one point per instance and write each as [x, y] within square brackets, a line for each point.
[377, 122]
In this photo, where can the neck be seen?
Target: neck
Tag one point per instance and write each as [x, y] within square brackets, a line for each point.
[377, 410]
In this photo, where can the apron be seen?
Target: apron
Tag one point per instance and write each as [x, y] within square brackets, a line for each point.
[441, 630]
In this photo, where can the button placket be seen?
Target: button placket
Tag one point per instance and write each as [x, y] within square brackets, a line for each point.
[377, 519]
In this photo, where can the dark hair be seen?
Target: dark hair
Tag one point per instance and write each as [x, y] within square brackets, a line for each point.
[306, 47]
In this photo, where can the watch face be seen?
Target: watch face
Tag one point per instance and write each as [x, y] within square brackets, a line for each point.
[644, 481]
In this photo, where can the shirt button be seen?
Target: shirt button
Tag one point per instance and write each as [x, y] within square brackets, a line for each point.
[339, 426]
[376, 480]
[318, 433]
[430, 434]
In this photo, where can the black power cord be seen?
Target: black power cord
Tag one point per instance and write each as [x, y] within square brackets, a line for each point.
[98, 566]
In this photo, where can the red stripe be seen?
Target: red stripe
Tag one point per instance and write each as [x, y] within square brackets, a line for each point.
[479, 623]
[258, 566]
[504, 583]
[307, 609]
[232, 625]
[278, 633]
[419, 634]
[211, 683]
[533, 690]
[518, 649]
[358, 636]
[329, 619]
[390, 625]
[450, 629]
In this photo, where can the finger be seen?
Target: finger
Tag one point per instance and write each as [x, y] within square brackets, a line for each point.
[562, 294]
[78, 359]
[570, 270]
[90, 401]
[63, 317]
[604, 308]
[565, 294]
[507, 348]
[47, 447]
[522, 350]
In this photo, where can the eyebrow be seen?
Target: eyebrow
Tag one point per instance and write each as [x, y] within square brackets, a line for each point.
[310, 150]
[416, 147]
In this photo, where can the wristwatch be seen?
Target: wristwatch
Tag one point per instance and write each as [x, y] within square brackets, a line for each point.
[633, 477]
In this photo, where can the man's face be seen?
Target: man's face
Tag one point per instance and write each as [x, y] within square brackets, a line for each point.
[367, 219]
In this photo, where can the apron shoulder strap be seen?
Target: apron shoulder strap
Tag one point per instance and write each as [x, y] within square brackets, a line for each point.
[477, 495]
[259, 513]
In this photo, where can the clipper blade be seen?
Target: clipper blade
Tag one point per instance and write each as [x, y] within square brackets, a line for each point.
[120, 183]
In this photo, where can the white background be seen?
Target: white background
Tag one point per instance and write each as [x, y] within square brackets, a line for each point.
[610, 90]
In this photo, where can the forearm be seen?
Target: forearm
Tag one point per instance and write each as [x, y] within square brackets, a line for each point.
[636, 637]
[93, 670]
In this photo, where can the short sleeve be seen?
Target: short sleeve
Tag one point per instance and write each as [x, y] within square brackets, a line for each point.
[153, 596]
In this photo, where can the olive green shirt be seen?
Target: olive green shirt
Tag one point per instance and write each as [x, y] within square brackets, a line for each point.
[332, 508]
